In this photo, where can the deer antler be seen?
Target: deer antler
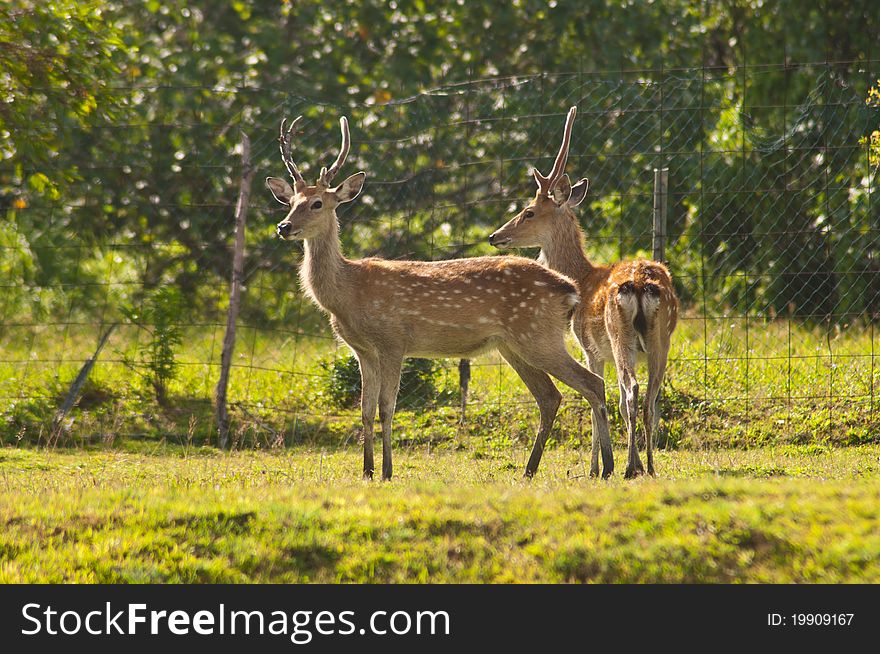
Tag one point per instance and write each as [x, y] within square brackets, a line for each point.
[548, 183]
[327, 175]
[284, 141]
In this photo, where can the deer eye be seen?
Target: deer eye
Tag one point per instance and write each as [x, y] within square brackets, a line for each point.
[529, 214]
[317, 205]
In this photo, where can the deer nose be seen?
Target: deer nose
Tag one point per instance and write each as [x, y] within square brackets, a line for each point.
[492, 238]
[283, 229]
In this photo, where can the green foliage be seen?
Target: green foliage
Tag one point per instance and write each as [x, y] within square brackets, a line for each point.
[341, 380]
[159, 316]
[135, 146]
[872, 140]
[16, 270]
[60, 70]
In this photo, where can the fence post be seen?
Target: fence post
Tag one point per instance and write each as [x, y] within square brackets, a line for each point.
[464, 378]
[78, 383]
[661, 192]
[247, 175]
[658, 240]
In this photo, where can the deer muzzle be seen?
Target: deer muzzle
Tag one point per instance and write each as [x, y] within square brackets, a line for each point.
[499, 241]
[285, 231]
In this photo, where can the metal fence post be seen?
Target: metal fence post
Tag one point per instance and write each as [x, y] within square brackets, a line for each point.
[658, 238]
[661, 192]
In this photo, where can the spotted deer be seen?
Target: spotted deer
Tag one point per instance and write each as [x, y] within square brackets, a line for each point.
[627, 309]
[387, 310]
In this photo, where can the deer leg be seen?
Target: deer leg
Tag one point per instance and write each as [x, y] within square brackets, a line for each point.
[388, 389]
[369, 398]
[596, 366]
[546, 395]
[556, 360]
[625, 361]
[656, 371]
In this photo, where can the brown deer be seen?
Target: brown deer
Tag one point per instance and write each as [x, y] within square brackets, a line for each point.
[626, 309]
[388, 310]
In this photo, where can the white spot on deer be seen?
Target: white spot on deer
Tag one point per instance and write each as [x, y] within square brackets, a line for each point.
[539, 283]
[508, 271]
[483, 320]
[493, 311]
[522, 304]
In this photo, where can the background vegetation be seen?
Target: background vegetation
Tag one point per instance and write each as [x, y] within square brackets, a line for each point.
[125, 180]
[116, 203]
[119, 133]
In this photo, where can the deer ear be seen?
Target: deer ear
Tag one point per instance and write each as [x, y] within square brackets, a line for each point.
[280, 189]
[579, 192]
[350, 188]
[561, 191]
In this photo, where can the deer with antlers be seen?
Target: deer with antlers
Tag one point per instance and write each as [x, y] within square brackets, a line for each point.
[387, 310]
[627, 309]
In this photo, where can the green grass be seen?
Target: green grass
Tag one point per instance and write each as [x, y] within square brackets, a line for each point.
[769, 470]
[146, 512]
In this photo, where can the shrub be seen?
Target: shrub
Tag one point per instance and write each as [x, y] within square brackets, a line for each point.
[156, 363]
[418, 382]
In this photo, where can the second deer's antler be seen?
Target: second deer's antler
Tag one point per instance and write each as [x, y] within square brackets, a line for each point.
[327, 175]
[548, 183]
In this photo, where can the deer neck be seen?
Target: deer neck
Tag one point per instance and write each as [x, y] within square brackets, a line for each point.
[323, 270]
[564, 251]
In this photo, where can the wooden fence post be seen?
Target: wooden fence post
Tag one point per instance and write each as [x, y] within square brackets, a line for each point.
[247, 175]
[76, 386]
[464, 378]
[661, 193]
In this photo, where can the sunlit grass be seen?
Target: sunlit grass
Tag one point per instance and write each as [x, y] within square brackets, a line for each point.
[159, 513]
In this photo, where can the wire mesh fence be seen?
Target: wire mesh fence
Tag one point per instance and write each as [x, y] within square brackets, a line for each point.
[773, 240]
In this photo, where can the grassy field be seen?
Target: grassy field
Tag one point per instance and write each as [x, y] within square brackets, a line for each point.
[769, 469]
[161, 513]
